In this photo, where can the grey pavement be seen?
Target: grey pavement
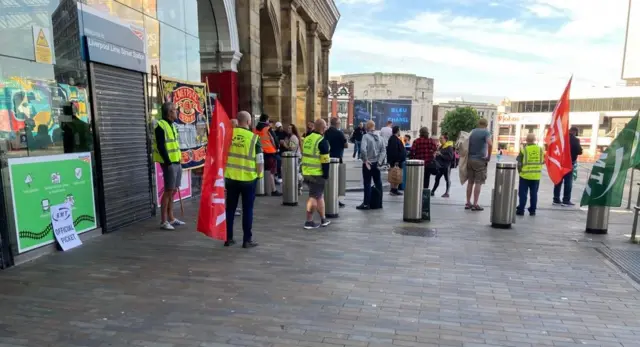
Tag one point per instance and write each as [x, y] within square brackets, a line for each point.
[357, 283]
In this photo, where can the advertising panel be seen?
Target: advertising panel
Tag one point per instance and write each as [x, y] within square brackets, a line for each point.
[397, 111]
[190, 101]
[38, 183]
[361, 111]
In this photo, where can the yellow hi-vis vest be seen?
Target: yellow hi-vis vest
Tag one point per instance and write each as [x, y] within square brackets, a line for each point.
[532, 161]
[311, 159]
[241, 162]
[170, 143]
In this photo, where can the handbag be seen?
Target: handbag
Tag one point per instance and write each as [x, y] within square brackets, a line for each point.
[395, 175]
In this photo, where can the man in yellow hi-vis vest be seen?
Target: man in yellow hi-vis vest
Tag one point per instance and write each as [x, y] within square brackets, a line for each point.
[245, 163]
[166, 151]
[530, 163]
[315, 170]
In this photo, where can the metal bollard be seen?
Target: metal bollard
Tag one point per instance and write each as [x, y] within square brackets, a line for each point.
[503, 195]
[597, 220]
[412, 209]
[289, 179]
[342, 180]
[260, 186]
[331, 206]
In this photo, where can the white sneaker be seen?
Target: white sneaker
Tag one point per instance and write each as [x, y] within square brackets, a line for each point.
[167, 226]
[278, 180]
[177, 222]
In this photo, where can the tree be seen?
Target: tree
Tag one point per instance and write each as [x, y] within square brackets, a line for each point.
[460, 119]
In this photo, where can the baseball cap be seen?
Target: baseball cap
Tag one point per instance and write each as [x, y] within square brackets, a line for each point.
[278, 124]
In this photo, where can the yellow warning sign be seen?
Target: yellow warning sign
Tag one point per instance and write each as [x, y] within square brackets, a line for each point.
[43, 52]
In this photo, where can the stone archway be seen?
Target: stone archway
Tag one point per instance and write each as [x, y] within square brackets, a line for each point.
[270, 62]
[301, 84]
[220, 50]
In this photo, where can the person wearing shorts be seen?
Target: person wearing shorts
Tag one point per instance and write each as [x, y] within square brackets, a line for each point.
[315, 170]
[479, 154]
[166, 152]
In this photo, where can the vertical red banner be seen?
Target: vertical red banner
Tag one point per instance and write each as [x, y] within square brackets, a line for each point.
[558, 158]
[212, 219]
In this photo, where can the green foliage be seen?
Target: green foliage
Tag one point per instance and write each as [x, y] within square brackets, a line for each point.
[460, 119]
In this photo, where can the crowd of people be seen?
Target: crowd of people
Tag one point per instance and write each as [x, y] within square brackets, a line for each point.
[256, 150]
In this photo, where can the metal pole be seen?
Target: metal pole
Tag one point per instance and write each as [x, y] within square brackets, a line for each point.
[597, 220]
[289, 179]
[331, 189]
[635, 219]
[630, 189]
[412, 208]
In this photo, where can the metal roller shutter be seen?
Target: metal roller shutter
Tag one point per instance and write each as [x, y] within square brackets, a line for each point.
[123, 148]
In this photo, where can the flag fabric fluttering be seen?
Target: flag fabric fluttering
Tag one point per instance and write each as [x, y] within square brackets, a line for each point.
[558, 158]
[212, 219]
[605, 185]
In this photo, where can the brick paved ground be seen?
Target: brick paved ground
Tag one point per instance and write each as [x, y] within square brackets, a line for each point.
[356, 284]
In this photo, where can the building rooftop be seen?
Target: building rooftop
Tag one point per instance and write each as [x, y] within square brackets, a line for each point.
[583, 93]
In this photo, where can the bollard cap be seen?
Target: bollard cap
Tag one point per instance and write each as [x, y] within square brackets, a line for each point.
[289, 154]
[415, 162]
[334, 160]
[507, 165]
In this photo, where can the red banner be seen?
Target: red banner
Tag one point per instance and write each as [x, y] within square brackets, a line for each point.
[212, 219]
[558, 158]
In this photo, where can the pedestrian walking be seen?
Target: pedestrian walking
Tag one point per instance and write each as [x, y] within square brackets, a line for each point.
[166, 151]
[567, 180]
[396, 156]
[372, 151]
[424, 148]
[269, 143]
[337, 142]
[530, 162]
[356, 138]
[245, 165]
[479, 154]
[445, 156]
[315, 170]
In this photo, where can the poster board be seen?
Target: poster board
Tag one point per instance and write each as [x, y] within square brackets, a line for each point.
[38, 183]
[185, 185]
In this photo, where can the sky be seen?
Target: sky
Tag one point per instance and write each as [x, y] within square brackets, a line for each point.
[486, 48]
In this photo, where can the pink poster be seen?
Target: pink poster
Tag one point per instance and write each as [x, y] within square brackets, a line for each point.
[185, 185]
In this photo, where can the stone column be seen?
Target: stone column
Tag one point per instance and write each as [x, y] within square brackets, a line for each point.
[272, 95]
[516, 146]
[312, 70]
[289, 59]
[301, 108]
[595, 127]
[249, 70]
[324, 80]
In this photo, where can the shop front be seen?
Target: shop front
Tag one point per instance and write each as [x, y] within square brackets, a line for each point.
[76, 112]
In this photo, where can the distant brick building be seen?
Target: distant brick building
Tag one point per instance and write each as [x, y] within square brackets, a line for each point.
[341, 101]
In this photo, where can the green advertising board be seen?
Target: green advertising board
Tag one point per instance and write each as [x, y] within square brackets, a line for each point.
[37, 183]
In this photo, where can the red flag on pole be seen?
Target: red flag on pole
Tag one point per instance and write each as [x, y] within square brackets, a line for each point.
[558, 159]
[212, 219]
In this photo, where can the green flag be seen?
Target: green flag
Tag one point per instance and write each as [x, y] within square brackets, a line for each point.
[608, 176]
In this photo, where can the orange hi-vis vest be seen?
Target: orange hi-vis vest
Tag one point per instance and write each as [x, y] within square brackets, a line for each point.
[266, 141]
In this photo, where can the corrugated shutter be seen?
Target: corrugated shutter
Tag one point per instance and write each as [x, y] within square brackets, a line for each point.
[124, 153]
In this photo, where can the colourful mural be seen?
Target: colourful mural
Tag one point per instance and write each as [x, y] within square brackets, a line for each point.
[33, 108]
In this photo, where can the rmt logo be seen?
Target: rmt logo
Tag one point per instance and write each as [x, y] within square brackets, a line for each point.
[62, 214]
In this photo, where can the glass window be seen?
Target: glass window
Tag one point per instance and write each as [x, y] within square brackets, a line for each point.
[537, 105]
[16, 26]
[126, 13]
[172, 12]
[152, 28]
[193, 59]
[191, 17]
[150, 7]
[342, 107]
[134, 4]
[173, 57]
[545, 106]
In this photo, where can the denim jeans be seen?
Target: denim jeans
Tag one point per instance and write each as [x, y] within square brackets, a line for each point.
[567, 180]
[235, 190]
[356, 149]
[367, 177]
[532, 187]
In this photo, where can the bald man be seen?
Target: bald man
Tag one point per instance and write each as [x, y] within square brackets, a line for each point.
[530, 163]
[315, 170]
[245, 164]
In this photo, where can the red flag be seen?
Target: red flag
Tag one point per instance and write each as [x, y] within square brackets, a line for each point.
[212, 219]
[558, 158]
